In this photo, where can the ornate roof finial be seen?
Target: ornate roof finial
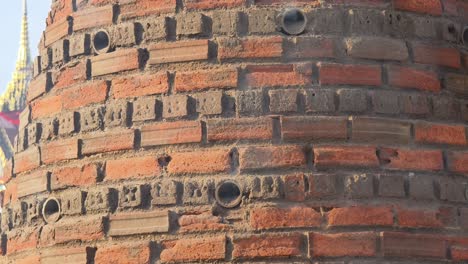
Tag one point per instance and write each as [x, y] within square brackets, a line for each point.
[14, 98]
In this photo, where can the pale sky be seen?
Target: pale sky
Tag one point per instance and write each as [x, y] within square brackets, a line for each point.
[10, 26]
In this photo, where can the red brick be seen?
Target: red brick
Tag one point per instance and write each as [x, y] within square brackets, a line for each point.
[211, 161]
[332, 74]
[450, 7]
[238, 129]
[440, 134]
[56, 31]
[442, 56]
[343, 245]
[312, 3]
[89, 93]
[267, 246]
[201, 222]
[313, 128]
[419, 218]
[271, 47]
[271, 217]
[85, 175]
[79, 229]
[412, 245]
[411, 78]
[433, 7]
[60, 10]
[59, 150]
[407, 159]
[70, 75]
[294, 187]
[37, 87]
[22, 240]
[205, 79]
[279, 75]
[372, 3]
[140, 85]
[253, 158]
[117, 61]
[327, 156]
[31, 259]
[8, 171]
[27, 160]
[377, 48]
[361, 216]
[194, 249]
[458, 162]
[459, 253]
[179, 51]
[47, 106]
[171, 133]
[108, 142]
[210, 4]
[139, 8]
[32, 183]
[93, 17]
[127, 168]
[11, 194]
[123, 253]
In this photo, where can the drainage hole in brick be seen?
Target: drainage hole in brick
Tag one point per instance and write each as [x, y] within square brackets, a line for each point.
[294, 21]
[101, 42]
[228, 194]
[51, 210]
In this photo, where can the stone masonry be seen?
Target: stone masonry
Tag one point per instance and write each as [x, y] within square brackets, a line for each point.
[173, 131]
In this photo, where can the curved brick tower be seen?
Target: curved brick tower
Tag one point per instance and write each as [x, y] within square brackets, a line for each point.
[266, 131]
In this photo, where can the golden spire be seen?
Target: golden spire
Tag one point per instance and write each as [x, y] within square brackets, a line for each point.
[14, 98]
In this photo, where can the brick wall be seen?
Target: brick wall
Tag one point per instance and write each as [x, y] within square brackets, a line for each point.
[348, 143]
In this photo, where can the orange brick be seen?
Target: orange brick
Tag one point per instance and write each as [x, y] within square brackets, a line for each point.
[343, 244]
[279, 75]
[271, 47]
[121, 254]
[171, 133]
[440, 134]
[327, 156]
[108, 141]
[199, 80]
[332, 74]
[89, 93]
[433, 7]
[406, 159]
[254, 158]
[195, 249]
[271, 217]
[411, 78]
[361, 216]
[140, 85]
[277, 245]
[59, 150]
[435, 55]
[85, 175]
[211, 161]
[458, 162]
[130, 168]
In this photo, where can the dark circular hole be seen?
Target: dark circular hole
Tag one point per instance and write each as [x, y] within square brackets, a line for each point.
[294, 21]
[51, 210]
[465, 36]
[101, 42]
[228, 194]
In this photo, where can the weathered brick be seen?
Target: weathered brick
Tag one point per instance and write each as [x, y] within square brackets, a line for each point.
[411, 78]
[200, 162]
[294, 186]
[71, 74]
[225, 22]
[199, 80]
[326, 156]
[66, 123]
[191, 24]
[377, 48]
[59, 51]
[93, 17]
[140, 8]
[416, 218]
[459, 253]
[108, 142]
[164, 192]
[278, 75]
[262, 21]
[408, 159]
[239, 129]
[85, 175]
[133, 253]
[458, 162]
[445, 108]
[144, 109]
[440, 134]
[421, 187]
[272, 217]
[207, 4]
[80, 229]
[116, 114]
[154, 28]
[415, 104]
[195, 249]
[117, 61]
[313, 128]
[201, 221]
[377, 130]
[136, 167]
[123, 34]
[320, 101]
[49, 128]
[46, 58]
[452, 190]
[59, 150]
[391, 186]
[343, 244]
[171, 133]
[323, 21]
[198, 192]
[71, 202]
[433, 7]
[130, 195]
[32, 184]
[91, 118]
[412, 245]
[250, 102]
[79, 45]
[139, 85]
[64, 255]
[361, 216]
[38, 86]
[209, 103]
[436, 55]
[180, 51]
[59, 10]
[231, 48]
[89, 93]
[97, 200]
[457, 83]
[22, 240]
[254, 158]
[267, 246]
[175, 106]
[33, 133]
[386, 102]
[310, 47]
[10, 196]
[321, 185]
[359, 186]
[55, 32]
[138, 223]
[332, 74]
[283, 101]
